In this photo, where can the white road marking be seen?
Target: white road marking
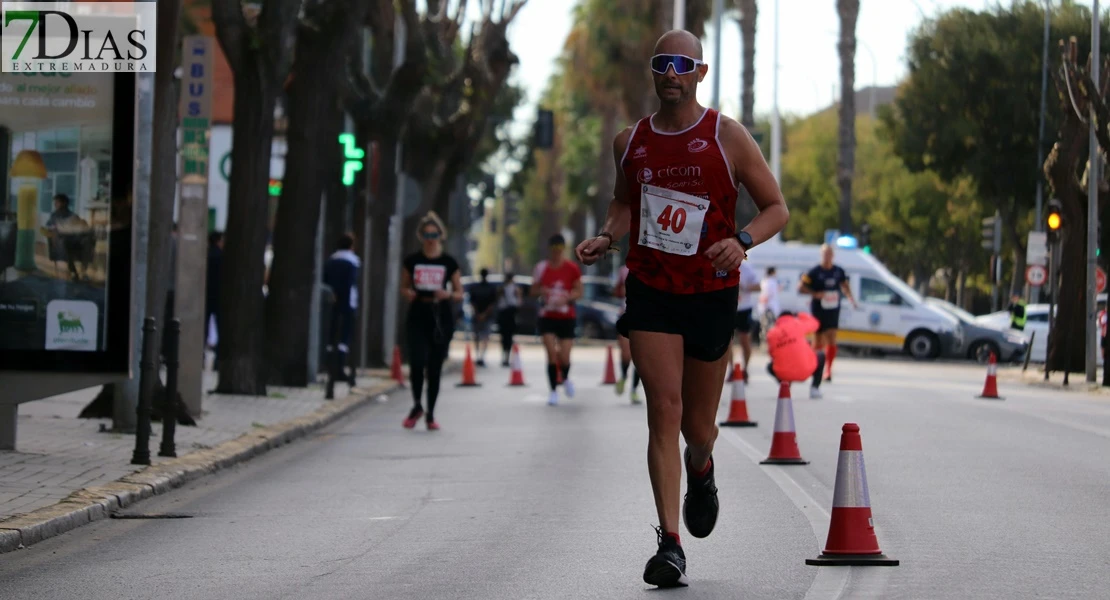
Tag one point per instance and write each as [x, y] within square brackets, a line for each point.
[830, 582]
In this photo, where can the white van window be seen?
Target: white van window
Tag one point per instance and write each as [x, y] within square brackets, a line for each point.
[877, 292]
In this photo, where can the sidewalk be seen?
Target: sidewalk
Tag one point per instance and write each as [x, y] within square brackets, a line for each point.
[1034, 377]
[60, 454]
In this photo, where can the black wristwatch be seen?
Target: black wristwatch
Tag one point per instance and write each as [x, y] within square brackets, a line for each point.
[745, 240]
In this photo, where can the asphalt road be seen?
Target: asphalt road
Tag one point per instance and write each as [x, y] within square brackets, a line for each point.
[517, 500]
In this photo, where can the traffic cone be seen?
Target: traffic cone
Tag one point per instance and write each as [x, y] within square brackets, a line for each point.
[738, 409]
[784, 442]
[990, 387]
[517, 376]
[395, 372]
[851, 540]
[610, 374]
[468, 372]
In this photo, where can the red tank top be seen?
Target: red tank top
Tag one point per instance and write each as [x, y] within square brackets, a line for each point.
[683, 200]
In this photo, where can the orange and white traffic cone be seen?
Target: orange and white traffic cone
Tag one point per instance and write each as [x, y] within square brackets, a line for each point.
[610, 377]
[784, 442]
[990, 386]
[517, 377]
[738, 408]
[468, 379]
[851, 540]
[395, 372]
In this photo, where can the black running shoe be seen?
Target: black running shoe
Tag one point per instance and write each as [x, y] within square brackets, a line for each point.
[667, 569]
[700, 507]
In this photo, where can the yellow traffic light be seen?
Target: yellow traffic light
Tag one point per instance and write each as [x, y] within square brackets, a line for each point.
[1054, 221]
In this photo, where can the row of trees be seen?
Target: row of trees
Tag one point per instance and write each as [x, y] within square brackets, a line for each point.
[427, 81]
[969, 112]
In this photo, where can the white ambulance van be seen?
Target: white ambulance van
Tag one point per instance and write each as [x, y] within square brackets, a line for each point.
[891, 315]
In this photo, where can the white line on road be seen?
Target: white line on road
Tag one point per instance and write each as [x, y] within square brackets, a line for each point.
[830, 582]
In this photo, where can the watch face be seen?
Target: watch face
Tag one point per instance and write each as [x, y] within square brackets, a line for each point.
[745, 238]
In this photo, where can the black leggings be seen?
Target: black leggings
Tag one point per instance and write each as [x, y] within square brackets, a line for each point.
[429, 336]
[506, 322]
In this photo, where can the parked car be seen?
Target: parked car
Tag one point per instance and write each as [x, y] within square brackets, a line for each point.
[980, 340]
[1036, 322]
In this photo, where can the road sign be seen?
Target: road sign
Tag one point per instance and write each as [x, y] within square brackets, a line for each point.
[1036, 275]
[1036, 248]
[1100, 280]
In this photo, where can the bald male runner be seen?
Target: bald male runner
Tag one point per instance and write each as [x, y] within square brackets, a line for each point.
[679, 172]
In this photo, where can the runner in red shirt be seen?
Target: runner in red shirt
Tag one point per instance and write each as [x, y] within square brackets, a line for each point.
[558, 282]
[679, 172]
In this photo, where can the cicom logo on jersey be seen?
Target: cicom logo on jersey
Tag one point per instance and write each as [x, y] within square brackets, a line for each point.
[77, 37]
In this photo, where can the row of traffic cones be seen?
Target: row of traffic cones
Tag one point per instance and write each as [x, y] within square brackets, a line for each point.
[469, 377]
[851, 540]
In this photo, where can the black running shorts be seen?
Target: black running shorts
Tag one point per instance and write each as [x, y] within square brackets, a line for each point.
[562, 329]
[705, 321]
[829, 320]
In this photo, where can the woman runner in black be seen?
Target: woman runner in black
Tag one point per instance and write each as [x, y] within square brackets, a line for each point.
[431, 322]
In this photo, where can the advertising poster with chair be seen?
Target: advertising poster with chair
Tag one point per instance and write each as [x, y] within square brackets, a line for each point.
[66, 172]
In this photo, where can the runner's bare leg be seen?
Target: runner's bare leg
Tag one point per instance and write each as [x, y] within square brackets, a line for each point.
[659, 360]
[702, 383]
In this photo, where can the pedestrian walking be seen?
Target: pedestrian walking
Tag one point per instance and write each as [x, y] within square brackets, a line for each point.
[509, 299]
[430, 324]
[341, 272]
[483, 302]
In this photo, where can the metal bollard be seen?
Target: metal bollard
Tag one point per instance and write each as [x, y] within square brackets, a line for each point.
[169, 412]
[148, 371]
[329, 388]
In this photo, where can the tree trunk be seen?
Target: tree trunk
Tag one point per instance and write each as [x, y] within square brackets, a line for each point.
[163, 175]
[241, 301]
[376, 263]
[749, 13]
[848, 10]
[1069, 338]
[312, 108]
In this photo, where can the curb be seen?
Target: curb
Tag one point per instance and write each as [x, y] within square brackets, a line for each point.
[95, 503]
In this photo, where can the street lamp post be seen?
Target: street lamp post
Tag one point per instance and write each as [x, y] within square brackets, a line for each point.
[1038, 225]
[680, 14]
[718, 14]
[1092, 207]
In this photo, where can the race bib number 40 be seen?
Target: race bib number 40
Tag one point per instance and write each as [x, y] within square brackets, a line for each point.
[428, 278]
[830, 301]
[671, 221]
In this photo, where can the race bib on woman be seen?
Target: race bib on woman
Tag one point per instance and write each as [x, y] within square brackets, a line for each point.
[830, 301]
[428, 278]
[671, 221]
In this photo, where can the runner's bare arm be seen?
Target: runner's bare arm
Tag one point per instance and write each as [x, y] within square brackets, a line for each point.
[576, 291]
[406, 286]
[846, 286]
[752, 171]
[456, 287]
[618, 219]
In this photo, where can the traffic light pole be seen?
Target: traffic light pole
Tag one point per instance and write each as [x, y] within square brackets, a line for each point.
[1093, 180]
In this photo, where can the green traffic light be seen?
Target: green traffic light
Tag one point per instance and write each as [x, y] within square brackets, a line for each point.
[867, 249]
[275, 187]
[352, 158]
